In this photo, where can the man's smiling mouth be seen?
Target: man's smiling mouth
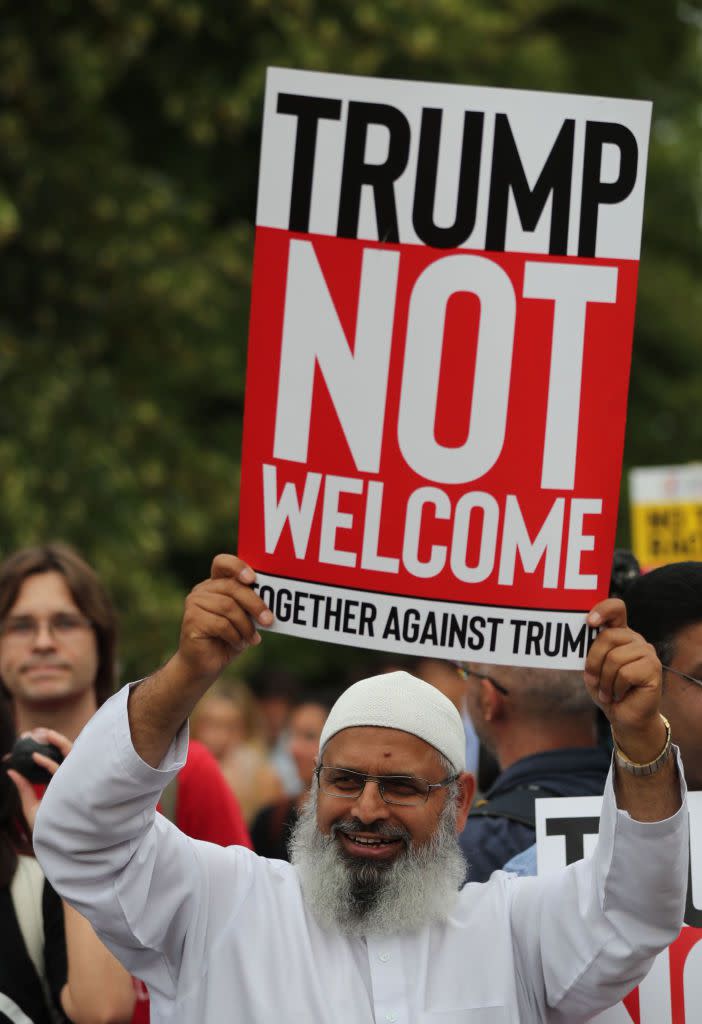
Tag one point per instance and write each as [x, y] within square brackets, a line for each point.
[362, 841]
[371, 844]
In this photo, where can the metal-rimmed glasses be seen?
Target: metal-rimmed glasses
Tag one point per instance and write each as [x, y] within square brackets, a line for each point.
[464, 673]
[682, 675]
[399, 790]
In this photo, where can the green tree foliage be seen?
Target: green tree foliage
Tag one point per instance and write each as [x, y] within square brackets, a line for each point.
[129, 137]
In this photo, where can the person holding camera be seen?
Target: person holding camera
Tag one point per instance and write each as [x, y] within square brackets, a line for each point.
[58, 637]
[53, 967]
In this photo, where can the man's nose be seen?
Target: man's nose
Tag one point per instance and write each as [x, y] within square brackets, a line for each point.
[44, 636]
[369, 805]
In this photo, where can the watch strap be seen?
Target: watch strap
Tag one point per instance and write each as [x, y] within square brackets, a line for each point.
[651, 767]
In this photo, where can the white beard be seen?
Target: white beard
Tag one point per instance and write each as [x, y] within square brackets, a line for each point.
[415, 889]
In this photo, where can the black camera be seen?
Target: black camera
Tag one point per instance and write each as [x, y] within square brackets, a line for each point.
[21, 759]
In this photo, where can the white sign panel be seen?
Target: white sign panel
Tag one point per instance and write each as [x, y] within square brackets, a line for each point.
[566, 830]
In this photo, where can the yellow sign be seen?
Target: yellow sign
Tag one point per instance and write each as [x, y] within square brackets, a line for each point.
[670, 532]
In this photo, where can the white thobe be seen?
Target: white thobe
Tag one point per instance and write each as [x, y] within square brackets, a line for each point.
[223, 935]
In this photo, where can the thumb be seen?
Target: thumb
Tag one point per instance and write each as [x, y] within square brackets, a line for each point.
[229, 566]
[610, 612]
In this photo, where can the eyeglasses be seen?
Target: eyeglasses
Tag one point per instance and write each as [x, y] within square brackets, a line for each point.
[464, 673]
[400, 790]
[61, 626]
[682, 675]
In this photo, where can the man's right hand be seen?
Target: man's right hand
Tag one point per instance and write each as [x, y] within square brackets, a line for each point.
[220, 619]
[218, 623]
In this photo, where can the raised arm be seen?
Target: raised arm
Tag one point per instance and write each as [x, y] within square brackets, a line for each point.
[218, 623]
[624, 678]
[590, 932]
[153, 895]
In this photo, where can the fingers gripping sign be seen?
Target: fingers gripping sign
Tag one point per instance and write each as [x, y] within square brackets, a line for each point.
[624, 678]
[220, 618]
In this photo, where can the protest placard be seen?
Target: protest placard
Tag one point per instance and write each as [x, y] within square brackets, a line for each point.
[666, 514]
[440, 338]
[566, 830]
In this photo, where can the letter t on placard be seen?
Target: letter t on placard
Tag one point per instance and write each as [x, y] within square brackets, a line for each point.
[571, 288]
[308, 110]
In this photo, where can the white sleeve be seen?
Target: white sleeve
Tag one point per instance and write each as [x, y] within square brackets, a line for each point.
[587, 935]
[146, 888]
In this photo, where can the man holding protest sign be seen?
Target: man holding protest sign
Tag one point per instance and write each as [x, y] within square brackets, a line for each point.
[363, 927]
[401, 365]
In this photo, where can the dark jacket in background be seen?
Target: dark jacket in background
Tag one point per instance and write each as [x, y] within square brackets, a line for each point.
[270, 832]
[502, 824]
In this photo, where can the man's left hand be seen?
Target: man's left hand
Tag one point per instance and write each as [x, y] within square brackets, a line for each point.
[624, 678]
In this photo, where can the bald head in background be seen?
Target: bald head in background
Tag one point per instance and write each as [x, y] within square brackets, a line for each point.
[541, 726]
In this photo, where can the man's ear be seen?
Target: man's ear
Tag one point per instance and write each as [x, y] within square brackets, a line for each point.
[466, 782]
[491, 701]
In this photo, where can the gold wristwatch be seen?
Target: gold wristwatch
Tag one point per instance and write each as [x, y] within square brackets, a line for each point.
[651, 767]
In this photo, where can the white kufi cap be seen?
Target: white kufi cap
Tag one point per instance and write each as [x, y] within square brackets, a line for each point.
[398, 700]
